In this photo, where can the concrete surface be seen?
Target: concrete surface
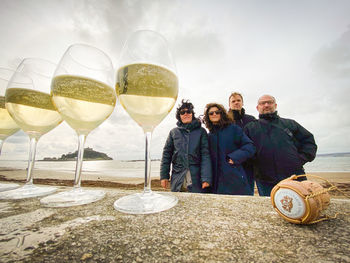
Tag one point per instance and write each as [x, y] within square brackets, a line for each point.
[200, 228]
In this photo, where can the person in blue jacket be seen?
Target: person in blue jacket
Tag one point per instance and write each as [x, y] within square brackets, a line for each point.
[229, 148]
[237, 113]
[186, 150]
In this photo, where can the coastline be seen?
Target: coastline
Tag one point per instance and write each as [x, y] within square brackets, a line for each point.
[50, 177]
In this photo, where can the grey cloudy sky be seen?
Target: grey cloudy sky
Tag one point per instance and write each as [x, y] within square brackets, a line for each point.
[298, 51]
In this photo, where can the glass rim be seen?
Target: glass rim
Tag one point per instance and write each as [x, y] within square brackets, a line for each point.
[69, 51]
[35, 59]
[172, 68]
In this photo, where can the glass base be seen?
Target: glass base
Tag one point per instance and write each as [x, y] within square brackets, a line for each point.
[27, 191]
[145, 203]
[9, 186]
[77, 196]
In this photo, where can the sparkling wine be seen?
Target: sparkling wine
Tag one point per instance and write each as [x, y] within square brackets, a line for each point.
[32, 110]
[83, 103]
[7, 125]
[147, 92]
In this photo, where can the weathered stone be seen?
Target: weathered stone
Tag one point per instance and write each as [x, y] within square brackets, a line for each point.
[200, 228]
[86, 256]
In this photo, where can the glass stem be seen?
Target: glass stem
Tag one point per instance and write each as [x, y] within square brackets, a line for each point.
[1, 143]
[31, 160]
[147, 187]
[79, 164]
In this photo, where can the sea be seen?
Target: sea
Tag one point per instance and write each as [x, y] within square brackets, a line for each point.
[135, 169]
[117, 168]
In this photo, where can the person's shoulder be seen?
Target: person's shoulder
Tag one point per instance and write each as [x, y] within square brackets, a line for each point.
[253, 123]
[288, 121]
[203, 132]
[234, 127]
[249, 117]
[174, 130]
[202, 129]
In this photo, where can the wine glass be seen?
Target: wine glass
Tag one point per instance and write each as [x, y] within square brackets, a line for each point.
[7, 125]
[28, 102]
[147, 88]
[82, 90]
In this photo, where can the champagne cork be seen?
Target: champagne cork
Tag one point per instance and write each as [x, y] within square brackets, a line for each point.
[299, 202]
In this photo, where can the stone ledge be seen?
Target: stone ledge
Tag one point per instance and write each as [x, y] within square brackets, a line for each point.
[200, 228]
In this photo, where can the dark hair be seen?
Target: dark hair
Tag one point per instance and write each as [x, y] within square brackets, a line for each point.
[224, 120]
[184, 105]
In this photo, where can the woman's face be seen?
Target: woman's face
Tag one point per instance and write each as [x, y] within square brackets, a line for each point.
[186, 116]
[214, 114]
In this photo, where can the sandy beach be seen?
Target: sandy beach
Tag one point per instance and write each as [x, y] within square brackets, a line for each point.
[49, 177]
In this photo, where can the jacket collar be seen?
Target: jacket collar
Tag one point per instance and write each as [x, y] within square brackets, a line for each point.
[189, 126]
[269, 116]
[238, 115]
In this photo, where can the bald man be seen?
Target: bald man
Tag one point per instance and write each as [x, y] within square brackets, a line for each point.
[283, 146]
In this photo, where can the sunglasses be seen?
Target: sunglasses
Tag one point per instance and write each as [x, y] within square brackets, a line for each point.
[182, 112]
[217, 112]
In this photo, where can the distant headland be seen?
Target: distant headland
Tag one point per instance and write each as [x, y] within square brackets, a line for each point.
[89, 155]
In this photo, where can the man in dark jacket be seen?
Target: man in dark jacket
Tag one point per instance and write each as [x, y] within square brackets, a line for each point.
[283, 146]
[237, 114]
[187, 151]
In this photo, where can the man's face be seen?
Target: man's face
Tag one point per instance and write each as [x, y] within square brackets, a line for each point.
[266, 104]
[236, 103]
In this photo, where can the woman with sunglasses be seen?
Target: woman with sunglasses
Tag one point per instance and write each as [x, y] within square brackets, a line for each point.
[229, 148]
[187, 151]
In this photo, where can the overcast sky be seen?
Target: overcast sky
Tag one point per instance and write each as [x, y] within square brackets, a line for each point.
[298, 51]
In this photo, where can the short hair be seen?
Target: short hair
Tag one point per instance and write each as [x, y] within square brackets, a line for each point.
[235, 94]
[185, 104]
[224, 120]
[274, 100]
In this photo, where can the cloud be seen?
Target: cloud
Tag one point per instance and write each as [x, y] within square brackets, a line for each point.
[16, 147]
[334, 60]
[298, 52]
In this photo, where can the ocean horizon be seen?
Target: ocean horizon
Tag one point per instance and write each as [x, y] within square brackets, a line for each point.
[135, 168]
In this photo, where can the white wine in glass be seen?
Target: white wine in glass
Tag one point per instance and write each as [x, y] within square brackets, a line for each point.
[28, 102]
[82, 90]
[147, 88]
[7, 125]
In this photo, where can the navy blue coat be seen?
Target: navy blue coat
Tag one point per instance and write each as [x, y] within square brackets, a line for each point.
[224, 144]
[242, 119]
[186, 148]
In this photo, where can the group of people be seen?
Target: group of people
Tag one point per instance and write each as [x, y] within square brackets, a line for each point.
[238, 152]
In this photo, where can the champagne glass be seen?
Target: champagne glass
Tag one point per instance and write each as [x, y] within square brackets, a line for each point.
[7, 125]
[147, 88]
[82, 90]
[28, 102]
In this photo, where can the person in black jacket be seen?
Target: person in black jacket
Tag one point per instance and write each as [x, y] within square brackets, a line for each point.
[283, 146]
[186, 150]
[236, 112]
